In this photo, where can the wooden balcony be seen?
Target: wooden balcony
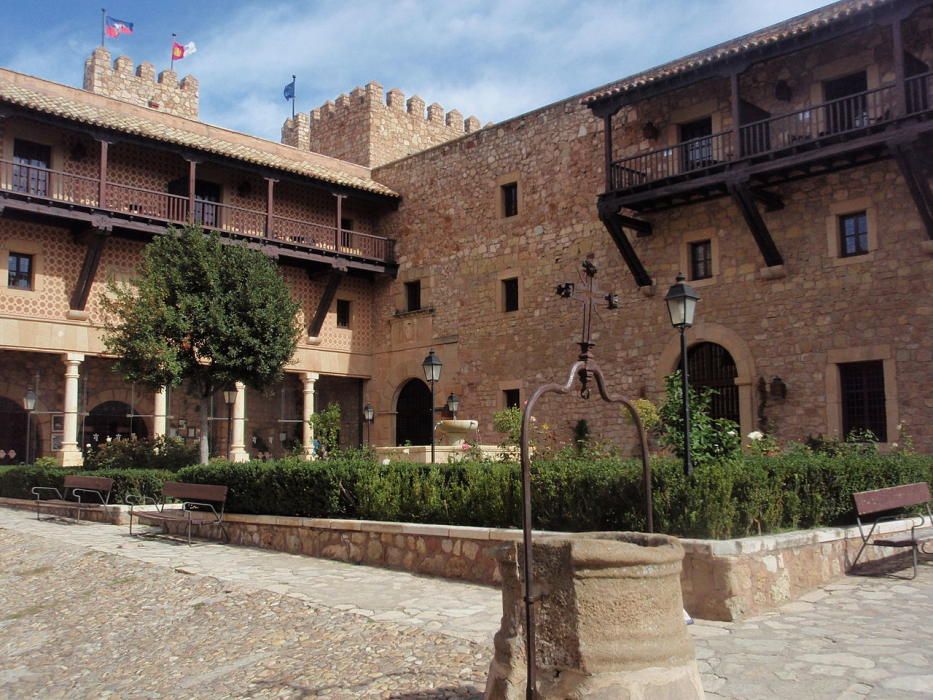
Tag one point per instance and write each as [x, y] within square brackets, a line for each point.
[63, 195]
[819, 138]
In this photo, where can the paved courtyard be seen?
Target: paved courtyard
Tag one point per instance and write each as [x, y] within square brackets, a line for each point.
[87, 612]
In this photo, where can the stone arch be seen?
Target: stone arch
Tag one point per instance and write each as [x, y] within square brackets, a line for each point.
[737, 347]
[12, 431]
[109, 419]
[413, 415]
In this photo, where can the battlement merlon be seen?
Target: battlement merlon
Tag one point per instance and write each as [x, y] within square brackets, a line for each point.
[142, 87]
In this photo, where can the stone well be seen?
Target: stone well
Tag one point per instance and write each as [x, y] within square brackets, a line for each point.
[609, 623]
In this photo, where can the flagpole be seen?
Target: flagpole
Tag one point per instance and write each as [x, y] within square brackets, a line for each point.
[173, 51]
[103, 25]
[294, 98]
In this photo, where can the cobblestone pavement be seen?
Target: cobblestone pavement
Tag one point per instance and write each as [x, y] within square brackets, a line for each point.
[87, 612]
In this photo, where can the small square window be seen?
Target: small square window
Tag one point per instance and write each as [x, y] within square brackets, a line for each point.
[511, 398]
[413, 295]
[509, 199]
[510, 294]
[701, 260]
[343, 313]
[20, 271]
[853, 234]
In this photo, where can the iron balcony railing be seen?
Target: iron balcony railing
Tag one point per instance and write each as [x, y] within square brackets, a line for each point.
[59, 188]
[827, 122]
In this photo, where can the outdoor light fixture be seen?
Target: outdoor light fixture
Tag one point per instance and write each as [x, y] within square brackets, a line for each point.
[650, 131]
[432, 373]
[782, 91]
[369, 414]
[453, 404]
[230, 399]
[29, 403]
[612, 301]
[681, 304]
[778, 388]
[565, 290]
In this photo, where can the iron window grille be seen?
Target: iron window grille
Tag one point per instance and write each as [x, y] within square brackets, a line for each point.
[510, 199]
[512, 398]
[343, 313]
[510, 294]
[863, 403]
[413, 295]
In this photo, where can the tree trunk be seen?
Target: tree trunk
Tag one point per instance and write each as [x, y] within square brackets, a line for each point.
[205, 428]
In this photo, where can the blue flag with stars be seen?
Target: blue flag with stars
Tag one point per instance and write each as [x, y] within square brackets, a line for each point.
[289, 91]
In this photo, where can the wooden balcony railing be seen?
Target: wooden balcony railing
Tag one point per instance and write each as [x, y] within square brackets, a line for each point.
[828, 122]
[33, 183]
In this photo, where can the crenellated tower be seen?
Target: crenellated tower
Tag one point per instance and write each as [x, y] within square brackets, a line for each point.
[140, 86]
[371, 128]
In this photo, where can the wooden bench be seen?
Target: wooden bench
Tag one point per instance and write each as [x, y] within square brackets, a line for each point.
[199, 505]
[81, 493]
[895, 497]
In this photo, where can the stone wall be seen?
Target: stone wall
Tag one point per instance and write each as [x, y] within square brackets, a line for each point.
[368, 128]
[797, 323]
[140, 86]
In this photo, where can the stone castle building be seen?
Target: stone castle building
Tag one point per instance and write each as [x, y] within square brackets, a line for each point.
[786, 173]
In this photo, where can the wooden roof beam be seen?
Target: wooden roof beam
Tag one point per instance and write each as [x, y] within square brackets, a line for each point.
[334, 276]
[917, 183]
[745, 201]
[614, 223]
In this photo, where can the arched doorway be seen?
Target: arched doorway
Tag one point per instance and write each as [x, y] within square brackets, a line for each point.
[413, 414]
[712, 366]
[12, 432]
[112, 419]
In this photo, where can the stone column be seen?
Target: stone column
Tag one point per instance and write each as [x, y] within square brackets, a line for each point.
[609, 620]
[307, 432]
[238, 451]
[159, 413]
[71, 451]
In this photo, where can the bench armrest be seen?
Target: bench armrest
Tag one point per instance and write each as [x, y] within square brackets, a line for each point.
[77, 494]
[137, 499]
[37, 492]
[185, 506]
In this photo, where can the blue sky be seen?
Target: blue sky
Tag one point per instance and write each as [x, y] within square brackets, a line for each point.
[491, 58]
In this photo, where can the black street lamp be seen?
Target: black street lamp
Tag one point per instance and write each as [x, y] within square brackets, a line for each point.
[29, 403]
[681, 305]
[432, 373]
[369, 414]
[229, 399]
[453, 404]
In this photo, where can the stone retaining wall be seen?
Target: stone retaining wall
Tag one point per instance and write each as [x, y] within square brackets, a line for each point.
[721, 579]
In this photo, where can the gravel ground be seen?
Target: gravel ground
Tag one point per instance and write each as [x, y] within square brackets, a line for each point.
[76, 623]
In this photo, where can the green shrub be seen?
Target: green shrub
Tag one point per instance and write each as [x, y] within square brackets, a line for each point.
[169, 454]
[17, 482]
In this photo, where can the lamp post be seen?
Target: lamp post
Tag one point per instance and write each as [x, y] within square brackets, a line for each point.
[432, 374]
[681, 305]
[453, 404]
[229, 399]
[369, 414]
[29, 403]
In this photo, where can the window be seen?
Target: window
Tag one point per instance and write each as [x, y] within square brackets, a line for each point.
[863, 406]
[853, 234]
[701, 260]
[31, 167]
[413, 295]
[698, 148]
[343, 313]
[20, 271]
[511, 398]
[509, 199]
[510, 294]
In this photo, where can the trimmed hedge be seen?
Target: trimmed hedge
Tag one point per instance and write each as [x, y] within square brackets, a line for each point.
[739, 497]
[749, 495]
[17, 482]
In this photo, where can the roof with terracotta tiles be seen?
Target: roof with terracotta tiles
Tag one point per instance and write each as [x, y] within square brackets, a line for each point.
[774, 34]
[106, 113]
